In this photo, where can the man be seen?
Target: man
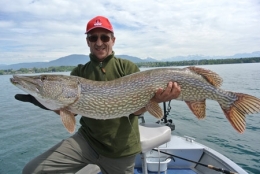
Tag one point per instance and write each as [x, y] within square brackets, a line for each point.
[111, 144]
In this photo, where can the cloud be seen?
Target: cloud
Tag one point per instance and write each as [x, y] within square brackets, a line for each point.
[37, 30]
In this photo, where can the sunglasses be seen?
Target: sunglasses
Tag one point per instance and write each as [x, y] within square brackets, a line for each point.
[94, 38]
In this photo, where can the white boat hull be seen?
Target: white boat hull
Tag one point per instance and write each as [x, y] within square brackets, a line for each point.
[158, 137]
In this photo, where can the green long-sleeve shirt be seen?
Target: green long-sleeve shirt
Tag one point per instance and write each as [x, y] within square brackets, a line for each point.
[112, 138]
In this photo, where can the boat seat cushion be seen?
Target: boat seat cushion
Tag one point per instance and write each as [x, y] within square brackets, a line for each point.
[153, 135]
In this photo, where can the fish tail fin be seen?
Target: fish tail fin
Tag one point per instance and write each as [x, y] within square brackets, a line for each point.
[244, 105]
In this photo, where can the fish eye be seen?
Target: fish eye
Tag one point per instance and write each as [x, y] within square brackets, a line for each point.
[43, 78]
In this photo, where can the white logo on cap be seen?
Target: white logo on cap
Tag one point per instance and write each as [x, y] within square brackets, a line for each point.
[98, 23]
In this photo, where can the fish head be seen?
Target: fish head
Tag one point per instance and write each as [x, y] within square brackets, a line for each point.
[58, 90]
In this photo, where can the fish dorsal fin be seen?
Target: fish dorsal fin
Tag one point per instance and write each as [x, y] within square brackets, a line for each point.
[68, 120]
[212, 77]
[198, 108]
[154, 109]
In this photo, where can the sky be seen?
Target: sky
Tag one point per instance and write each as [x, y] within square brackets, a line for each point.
[45, 30]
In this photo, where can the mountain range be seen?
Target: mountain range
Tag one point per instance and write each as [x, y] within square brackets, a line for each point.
[75, 59]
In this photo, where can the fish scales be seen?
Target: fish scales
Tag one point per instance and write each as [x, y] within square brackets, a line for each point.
[133, 92]
[121, 97]
[115, 98]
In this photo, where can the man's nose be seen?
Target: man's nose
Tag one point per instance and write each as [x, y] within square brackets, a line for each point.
[99, 42]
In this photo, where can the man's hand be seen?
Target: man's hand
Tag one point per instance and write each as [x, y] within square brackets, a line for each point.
[29, 98]
[172, 91]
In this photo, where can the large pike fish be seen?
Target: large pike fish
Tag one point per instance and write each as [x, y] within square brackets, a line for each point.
[121, 97]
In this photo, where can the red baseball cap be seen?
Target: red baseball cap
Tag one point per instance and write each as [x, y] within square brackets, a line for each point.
[99, 22]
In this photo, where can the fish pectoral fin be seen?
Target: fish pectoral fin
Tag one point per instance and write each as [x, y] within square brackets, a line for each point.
[68, 120]
[198, 108]
[154, 109]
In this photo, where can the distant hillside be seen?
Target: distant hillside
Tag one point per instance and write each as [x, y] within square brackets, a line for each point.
[75, 59]
[135, 59]
[71, 60]
[240, 55]
[200, 57]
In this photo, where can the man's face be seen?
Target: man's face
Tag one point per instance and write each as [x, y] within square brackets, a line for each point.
[100, 42]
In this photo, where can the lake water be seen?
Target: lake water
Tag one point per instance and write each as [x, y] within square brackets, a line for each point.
[27, 131]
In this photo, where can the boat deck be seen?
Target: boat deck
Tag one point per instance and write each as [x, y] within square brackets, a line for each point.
[93, 169]
[169, 171]
[171, 158]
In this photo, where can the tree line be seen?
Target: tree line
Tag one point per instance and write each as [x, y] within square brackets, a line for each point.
[37, 70]
[200, 62]
[141, 64]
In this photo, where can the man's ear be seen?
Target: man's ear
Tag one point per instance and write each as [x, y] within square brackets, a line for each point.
[87, 41]
[114, 40]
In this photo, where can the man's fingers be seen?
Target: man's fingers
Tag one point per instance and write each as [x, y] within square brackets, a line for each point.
[172, 91]
[159, 92]
[176, 90]
[29, 98]
[168, 90]
[23, 97]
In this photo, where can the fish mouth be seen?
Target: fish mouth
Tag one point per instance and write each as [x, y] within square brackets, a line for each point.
[24, 83]
[14, 80]
[17, 79]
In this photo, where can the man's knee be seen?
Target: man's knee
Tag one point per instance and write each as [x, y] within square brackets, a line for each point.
[29, 168]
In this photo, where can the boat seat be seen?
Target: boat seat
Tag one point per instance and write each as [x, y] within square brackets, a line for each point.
[153, 135]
